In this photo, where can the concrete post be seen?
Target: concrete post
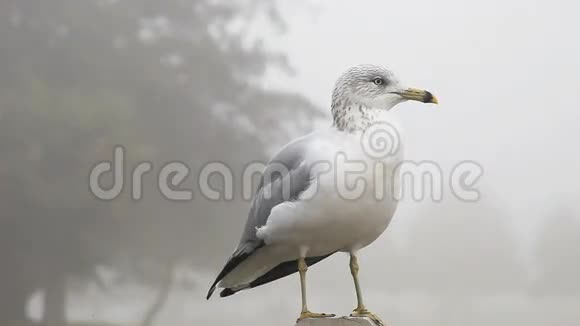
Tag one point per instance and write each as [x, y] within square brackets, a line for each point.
[337, 321]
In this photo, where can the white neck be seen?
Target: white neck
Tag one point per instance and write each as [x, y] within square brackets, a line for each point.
[351, 117]
[355, 113]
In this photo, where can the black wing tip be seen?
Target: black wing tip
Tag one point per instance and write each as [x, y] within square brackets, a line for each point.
[210, 292]
[237, 258]
[224, 293]
[282, 270]
[227, 292]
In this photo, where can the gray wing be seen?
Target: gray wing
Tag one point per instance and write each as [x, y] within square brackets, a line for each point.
[285, 177]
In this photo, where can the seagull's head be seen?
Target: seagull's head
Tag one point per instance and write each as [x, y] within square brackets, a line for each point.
[375, 87]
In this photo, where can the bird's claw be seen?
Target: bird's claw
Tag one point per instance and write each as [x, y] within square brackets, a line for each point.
[365, 313]
[308, 314]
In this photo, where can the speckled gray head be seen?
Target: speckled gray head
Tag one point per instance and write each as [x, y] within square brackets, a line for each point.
[367, 88]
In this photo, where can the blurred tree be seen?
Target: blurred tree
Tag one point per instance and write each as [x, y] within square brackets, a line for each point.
[168, 80]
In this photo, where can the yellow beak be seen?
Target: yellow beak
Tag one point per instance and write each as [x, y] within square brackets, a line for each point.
[420, 95]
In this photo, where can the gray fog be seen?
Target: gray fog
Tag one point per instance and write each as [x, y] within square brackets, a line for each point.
[201, 82]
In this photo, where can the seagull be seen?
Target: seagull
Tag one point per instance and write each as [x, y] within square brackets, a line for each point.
[334, 190]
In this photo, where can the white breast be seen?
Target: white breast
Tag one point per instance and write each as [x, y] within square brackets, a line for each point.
[348, 205]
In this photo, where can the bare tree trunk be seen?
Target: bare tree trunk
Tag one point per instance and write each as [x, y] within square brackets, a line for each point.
[160, 299]
[55, 302]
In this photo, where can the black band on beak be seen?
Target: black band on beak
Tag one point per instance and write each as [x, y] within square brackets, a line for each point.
[428, 97]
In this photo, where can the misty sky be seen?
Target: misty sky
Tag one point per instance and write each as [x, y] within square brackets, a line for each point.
[505, 72]
[506, 75]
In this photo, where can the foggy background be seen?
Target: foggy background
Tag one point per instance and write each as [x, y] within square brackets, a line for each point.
[199, 81]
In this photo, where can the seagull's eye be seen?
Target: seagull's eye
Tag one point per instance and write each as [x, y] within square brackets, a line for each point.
[378, 81]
